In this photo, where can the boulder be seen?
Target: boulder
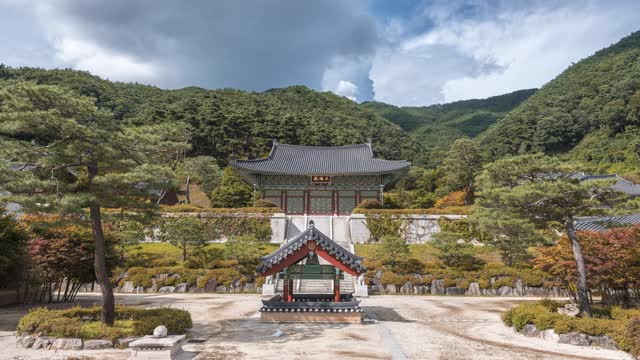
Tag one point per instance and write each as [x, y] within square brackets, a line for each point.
[98, 344]
[437, 287]
[474, 289]
[211, 285]
[25, 341]
[167, 289]
[391, 288]
[530, 330]
[549, 335]
[249, 288]
[125, 341]
[536, 291]
[42, 342]
[196, 290]
[221, 289]
[574, 338]
[603, 342]
[570, 310]
[417, 290]
[519, 289]
[558, 292]
[377, 285]
[128, 287]
[58, 344]
[154, 287]
[73, 344]
[139, 289]
[489, 292]
[160, 331]
[505, 291]
[454, 290]
[407, 288]
[182, 288]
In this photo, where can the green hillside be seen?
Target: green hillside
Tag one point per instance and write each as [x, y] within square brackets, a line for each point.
[590, 111]
[436, 127]
[230, 123]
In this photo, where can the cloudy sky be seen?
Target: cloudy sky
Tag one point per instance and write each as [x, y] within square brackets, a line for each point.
[403, 52]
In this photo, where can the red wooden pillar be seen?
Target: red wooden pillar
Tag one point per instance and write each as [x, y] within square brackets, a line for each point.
[290, 294]
[285, 290]
[336, 287]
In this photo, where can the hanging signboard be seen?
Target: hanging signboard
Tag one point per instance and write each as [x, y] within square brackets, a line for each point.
[320, 180]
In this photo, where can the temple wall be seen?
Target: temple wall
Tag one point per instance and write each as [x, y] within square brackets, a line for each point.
[419, 229]
[352, 228]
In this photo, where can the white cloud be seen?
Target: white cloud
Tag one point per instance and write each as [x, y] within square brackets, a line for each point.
[86, 55]
[347, 89]
[495, 52]
[349, 77]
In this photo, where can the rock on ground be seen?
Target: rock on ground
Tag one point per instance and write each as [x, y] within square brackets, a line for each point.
[575, 338]
[42, 342]
[530, 330]
[98, 344]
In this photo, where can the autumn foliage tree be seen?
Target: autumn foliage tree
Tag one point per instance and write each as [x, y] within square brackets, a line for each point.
[61, 255]
[612, 260]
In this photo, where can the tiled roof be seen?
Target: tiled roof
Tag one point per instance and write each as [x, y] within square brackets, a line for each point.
[321, 160]
[621, 184]
[604, 223]
[323, 241]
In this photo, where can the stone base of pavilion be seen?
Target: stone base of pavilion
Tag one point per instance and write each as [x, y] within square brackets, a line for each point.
[312, 309]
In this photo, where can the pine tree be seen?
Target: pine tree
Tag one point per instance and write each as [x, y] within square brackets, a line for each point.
[68, 155]
[542, 191]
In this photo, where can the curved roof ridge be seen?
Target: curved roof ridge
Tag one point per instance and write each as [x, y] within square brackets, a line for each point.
[323, 146]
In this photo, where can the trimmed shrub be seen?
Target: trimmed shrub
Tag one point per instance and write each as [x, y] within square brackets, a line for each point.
[83, 323]
[632, 336]
[370, 204]
[262, 203]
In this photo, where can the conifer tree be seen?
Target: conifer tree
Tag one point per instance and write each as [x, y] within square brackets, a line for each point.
[68, 156]
[541, 190]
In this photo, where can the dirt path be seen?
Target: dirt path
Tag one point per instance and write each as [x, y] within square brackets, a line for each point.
[467, 328]
[408, 327]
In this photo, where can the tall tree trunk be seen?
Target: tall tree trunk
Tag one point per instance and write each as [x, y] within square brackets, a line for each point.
[184, 253]
[581, 285]
[100, 261]
[188, 192]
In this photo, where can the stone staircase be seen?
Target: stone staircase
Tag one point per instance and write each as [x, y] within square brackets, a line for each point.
[337, 228]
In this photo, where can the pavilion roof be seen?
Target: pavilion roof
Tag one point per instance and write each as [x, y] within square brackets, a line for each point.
[296, 249]
[321, 160]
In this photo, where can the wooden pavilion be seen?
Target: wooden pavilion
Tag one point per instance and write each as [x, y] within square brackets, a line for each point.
[299, 259]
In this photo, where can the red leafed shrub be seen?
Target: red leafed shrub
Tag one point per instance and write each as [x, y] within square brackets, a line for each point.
[455, 198]
[612, 260]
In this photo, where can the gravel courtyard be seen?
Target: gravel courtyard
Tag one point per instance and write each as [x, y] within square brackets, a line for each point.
[405, 327]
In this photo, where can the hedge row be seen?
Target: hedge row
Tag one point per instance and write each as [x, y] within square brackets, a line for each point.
[78, 322]
[452, 210]
[503, 276]
[196, 209]
[622, 325]
[144, 277]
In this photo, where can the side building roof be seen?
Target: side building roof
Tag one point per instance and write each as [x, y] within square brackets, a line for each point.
[296, 249]
[287, 159]
[604, 223]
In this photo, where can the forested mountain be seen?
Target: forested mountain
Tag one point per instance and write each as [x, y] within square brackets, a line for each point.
[230, 123]
[436, 127]
[591, 110]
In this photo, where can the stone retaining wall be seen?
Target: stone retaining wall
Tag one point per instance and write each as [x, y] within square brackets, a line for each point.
[437, 287]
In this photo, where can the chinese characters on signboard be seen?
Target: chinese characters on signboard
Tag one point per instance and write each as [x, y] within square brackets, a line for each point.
[321, 180]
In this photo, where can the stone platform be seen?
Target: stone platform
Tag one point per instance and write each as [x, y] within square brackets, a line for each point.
[316, 308]
[156, 348]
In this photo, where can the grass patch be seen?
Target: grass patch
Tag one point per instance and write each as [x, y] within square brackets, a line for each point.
[165, 254]
[78, 322]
